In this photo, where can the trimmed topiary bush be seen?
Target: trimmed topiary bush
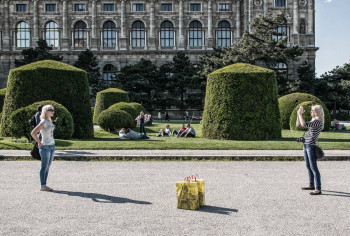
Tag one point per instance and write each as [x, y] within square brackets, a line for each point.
[2, 98]
[288, 102]
[307, 115]
[241, 103]
[50, 80]
[138, 107]
[126, 107]
[107, 98]
[19, 127]
[113, 119]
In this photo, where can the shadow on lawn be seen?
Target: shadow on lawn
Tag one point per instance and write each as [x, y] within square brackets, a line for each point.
[101, 198]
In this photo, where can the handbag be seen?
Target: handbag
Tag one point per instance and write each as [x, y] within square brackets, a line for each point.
[35, 152]
[318, 152]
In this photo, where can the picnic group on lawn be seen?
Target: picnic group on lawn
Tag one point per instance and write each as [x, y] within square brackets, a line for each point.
[43, 135]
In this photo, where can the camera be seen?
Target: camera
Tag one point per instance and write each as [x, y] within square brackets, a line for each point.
[301, 140]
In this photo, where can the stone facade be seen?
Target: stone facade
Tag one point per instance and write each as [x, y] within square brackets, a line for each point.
[120, 32]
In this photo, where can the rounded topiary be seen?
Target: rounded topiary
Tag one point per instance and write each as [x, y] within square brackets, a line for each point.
[307, 115]
[138, 107]
[2, 98]
[108, 97]
[343, 116]
[241, 103]
[126, 107]
[113, 119]
[50, 80]
[19, 127]
[288, 102]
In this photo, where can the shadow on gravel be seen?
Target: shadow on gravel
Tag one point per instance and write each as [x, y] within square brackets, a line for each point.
[335, 193]
[102, 198]
[217, 210]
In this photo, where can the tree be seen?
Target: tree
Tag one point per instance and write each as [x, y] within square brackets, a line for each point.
[39, 53]
[88, 62]
[307, 79]
[264, 46]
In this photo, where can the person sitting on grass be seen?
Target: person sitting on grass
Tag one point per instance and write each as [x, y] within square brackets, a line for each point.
[339, 126]
[189, 132]
[182, 129]
[122, 134]
[166, 132]
[149, 119]
[133, 135]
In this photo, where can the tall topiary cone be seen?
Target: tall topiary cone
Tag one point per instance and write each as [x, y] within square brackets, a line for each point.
[241, 103]
[50, 80]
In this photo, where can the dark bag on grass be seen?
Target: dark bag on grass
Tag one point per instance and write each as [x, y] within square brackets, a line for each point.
[35, 152]
[319, 152]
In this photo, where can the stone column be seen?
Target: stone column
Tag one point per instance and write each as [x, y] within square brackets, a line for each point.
[35, 24]
[181, 43]
[238, 21]
[295, 17]
[93, 40]
[123, 40]
[266, 7]
[151, 36]
[65, 36]
[210, 38]
[6, 33]
[310, 18]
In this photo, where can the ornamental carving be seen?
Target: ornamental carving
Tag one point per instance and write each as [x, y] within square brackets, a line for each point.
[302, 3]
[258, 3]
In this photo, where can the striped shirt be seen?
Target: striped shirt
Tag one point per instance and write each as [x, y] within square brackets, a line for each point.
[314, 130]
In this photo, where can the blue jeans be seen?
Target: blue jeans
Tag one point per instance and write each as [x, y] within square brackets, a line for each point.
[142, 128]
[311, 165]
[47, 153]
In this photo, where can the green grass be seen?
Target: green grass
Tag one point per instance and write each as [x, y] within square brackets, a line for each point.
[108, 140]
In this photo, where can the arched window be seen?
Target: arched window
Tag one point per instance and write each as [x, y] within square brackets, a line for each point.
[302, 28]
[51, 34]
[224, 34]
[167, 34]
[109, 34]
[196, 37]
[280, 3]
[108, 71]
[23, 35]
[80, 34]
[281, 32]
[138, 34]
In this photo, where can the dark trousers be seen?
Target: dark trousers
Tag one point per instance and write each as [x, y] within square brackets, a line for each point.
[142, 128]
[311, 165]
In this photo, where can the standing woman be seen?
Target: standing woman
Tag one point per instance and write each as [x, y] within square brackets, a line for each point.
[46, 145]
[314, 129]
[142, 123]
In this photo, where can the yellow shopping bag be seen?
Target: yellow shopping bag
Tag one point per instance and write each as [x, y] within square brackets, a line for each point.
[201, 189]
[187, 195]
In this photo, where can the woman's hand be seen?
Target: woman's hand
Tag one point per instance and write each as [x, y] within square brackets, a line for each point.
[301, 110]
[40, 144]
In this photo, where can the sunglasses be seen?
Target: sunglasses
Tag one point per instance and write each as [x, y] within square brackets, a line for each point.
[51, 110]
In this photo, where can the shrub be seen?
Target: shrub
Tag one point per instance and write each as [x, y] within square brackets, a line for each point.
[344, 116]
[113, 119]
[138, 107]
[307, 115]
[126, 107]
[241, 103]
[50, 80]
[2, 98]
[19, 127]
[107, 98]
[288, 102]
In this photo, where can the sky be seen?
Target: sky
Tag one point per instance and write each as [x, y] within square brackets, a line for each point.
[332, 29]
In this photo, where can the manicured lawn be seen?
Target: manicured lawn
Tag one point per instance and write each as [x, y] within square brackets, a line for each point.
[108, 140]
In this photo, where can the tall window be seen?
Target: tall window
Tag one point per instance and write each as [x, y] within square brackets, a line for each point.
[195, 7]
[108, 7]
[224, 34]
[281, 32]
[109, 34]
[137, 7]
[138, 34]
[167, 7]
[79, 7]
[80, 35]
[167, 34]
[50, 7]
[280, 3]
[224, 7]
[21, 7]
[108, 72]
[23, 35]
[196, 36]
[51, 34]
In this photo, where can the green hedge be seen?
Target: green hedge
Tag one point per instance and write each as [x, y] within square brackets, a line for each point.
[107, 98]
[113, 119]
[138, 107]
[241, 103]
[307, 115]
[2, 98]
[288, 102]
[50, 80]
[19, 127]
[126, 107]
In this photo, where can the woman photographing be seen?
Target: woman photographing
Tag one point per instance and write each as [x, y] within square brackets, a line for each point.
[46, 145]
[314, 127]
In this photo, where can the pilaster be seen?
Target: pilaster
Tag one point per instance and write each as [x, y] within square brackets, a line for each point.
[181, 44]
[210, 38]
[94, 39]
[123, 40]
[238, 21]
[6, 35]
[152, 38]
[35, 24]
[65, 37]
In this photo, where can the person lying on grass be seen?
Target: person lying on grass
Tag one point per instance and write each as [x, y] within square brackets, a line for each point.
[189, 132]
[133, 135]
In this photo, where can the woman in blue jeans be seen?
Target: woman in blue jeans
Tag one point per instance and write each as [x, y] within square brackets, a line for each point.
[46, 145]
[315, 126]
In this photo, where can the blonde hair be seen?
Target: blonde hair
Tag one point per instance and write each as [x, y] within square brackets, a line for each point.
[319, 113]
[44, 110]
